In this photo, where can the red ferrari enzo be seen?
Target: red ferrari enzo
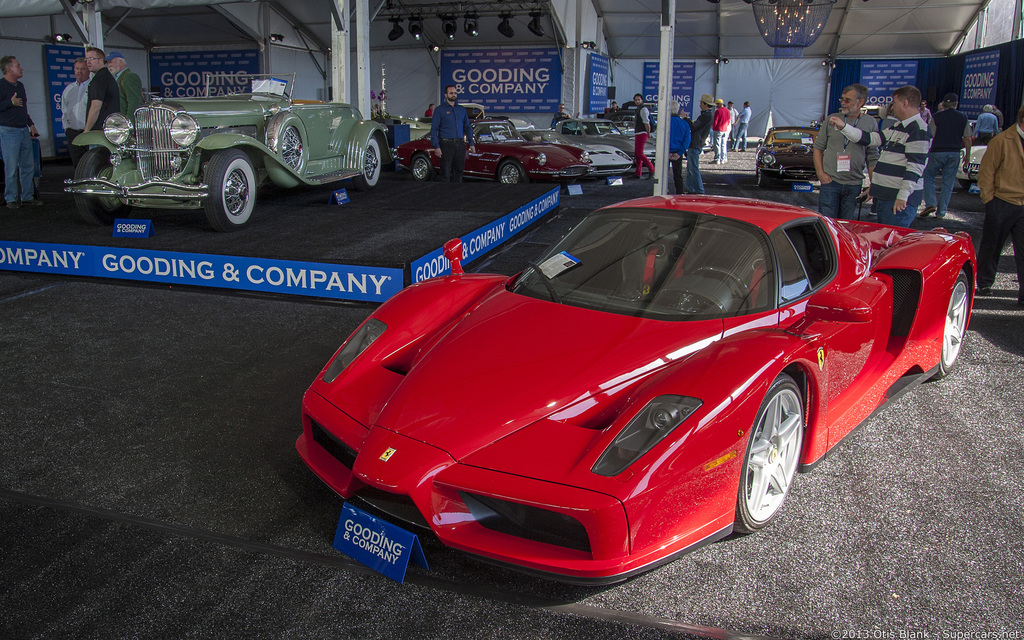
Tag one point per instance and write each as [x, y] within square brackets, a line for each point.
[651, 383]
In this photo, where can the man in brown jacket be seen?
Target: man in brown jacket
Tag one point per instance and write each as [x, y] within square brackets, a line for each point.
[1001, 180]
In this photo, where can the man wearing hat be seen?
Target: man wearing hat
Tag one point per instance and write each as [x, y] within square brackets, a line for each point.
[699, 130]
[951, 132]
[129, 84]
[720, 131]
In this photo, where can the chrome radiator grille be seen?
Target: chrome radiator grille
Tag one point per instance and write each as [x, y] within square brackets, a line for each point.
[153, 140]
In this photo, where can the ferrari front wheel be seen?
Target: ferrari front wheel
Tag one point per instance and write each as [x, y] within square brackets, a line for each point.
[955, 327]
[773, 453]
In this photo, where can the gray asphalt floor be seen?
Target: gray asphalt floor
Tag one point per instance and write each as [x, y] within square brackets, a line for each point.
[149, 485]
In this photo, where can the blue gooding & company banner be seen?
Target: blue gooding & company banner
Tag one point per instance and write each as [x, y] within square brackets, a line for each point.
[882, 77]
[979, 85]
[377, 543]
[505, 80]
[183, 74]
[479, 242]
[60, 72]
[599, 73]
[683, 75]
[343, 282]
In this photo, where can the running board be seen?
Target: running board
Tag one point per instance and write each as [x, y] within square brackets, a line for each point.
[905, 384]
[334, 176]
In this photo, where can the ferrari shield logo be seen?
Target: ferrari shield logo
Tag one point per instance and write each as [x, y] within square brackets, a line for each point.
[821, 358]
[384, 457]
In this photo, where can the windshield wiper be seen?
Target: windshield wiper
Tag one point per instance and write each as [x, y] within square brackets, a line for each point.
[546, 281]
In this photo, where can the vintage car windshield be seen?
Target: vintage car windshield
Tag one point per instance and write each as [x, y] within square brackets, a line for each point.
[600, 128]
[547, 136]
[668, 265]
[496, 132]
[802, 137]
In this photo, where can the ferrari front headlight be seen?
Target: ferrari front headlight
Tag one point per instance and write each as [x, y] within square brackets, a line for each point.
[117, 128]
[585, 156]
[356, 344]
[184, 130]
[542, 159]
[649, 427]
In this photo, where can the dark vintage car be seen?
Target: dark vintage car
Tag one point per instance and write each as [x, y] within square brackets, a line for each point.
[212, 153]
[502, 154]
[786, 155]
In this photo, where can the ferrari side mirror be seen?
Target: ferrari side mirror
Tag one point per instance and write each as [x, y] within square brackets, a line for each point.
[453, 253]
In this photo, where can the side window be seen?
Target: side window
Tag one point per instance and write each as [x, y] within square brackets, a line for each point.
[808, 241]
[793, 281]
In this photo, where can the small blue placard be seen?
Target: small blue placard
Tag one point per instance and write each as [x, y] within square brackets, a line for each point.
[377, 543]
[339, 197]
[974, 188]
[803, 186]
[575, 189]
[129, 228]
[614, 181]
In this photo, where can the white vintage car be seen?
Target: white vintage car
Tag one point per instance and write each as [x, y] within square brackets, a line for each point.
[970, 175]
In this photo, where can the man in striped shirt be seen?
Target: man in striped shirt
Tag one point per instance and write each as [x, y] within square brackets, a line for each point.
[904, 152]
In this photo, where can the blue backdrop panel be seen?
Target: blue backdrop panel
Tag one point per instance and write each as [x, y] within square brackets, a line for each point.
[683, 74]
[598, 72]
[882, 77]
[979, 82]
[60, 72]
[183, 74]
[505, 80]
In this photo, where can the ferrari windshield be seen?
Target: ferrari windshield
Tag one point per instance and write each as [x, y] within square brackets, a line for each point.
[670, 265]
[599, 127]
[547, 136]
[496, 132]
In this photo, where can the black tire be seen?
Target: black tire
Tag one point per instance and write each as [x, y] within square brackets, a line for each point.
[966, 184]
[510, 171]
[232, 182]
[97, 210]
[955, 326]
[763, 181]
[772, 456]
[371, 167]
[422, 167]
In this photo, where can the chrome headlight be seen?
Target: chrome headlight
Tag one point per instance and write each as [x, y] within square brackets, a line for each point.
[184, 130]
[646, 429]
[117, 128]
[768, 158]
[585, 156]
[356, 344]
[542, 159]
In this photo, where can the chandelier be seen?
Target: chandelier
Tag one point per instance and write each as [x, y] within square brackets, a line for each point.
[791, 25]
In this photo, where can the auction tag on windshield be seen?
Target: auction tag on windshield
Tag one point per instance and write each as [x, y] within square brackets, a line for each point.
[842, 163]
[377, 543]
[128, 228]
[557, 264]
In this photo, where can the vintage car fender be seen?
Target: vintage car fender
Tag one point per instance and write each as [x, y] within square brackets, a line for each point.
[281, 174]
[90, 138]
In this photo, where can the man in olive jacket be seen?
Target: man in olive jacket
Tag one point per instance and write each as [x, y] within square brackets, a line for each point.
[1001, 180]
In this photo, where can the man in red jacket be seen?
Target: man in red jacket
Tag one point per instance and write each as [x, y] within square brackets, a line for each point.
[720, 131]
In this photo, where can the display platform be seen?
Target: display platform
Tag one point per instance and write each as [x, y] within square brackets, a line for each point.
[298, 241]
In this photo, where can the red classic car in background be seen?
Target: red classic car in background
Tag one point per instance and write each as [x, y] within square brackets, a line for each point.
[786, 154]
[650, 383]
[502, 154]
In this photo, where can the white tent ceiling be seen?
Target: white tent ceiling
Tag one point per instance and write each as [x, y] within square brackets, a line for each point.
[626, 29]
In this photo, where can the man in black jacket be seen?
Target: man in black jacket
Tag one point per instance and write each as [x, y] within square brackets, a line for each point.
[699, 130]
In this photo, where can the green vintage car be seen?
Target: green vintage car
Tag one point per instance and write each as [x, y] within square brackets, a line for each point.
[213, 153]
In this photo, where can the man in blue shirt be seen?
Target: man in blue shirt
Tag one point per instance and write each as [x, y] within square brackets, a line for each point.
[987, 125]
[678, 143]
[742, 122]
[449, 131]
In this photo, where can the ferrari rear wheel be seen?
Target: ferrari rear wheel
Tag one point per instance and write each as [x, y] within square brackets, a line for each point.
[773, 453]
[956, 326]
[422, 167]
